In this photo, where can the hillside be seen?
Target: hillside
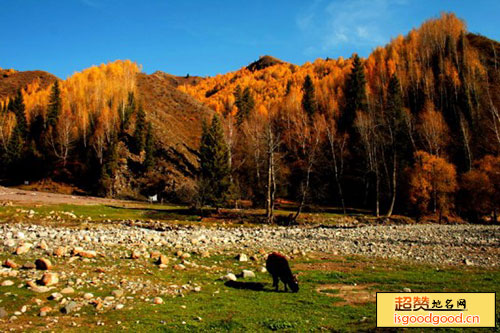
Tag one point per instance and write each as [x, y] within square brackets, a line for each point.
[175, 118]
[12, 80]
[434, 91]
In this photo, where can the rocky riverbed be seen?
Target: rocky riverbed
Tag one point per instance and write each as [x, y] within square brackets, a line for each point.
[439, 244]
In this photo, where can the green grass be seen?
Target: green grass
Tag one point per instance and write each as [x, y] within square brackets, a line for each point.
[222, 308]
[239, 309]
[99, 213]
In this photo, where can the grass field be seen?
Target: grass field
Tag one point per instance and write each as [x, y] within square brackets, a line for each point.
[337, 292]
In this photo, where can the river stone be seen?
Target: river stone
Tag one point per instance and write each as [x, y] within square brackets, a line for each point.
[68, 308]
[248, 274]
[43, 264]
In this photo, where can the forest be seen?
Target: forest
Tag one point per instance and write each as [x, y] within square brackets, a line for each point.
[413, 129]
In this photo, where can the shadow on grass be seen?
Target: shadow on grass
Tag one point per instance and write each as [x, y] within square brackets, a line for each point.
[255, 286]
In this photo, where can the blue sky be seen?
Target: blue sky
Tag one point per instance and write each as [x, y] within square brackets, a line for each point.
[211, 37]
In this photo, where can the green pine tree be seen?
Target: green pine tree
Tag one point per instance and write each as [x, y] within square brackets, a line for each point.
[309, 99]
[14, 153]
[18, 108]
[214, 163]
[355, 95]
[109, 168]
[238, 97]
[55, 105]
[245, 106]
[140, 130]
[128, 110]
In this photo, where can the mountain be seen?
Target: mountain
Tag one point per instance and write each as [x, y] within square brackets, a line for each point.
[175, 118]
[264, 62]
[431, 96]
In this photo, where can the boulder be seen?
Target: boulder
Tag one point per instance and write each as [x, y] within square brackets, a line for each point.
[49, 279]
[70, 307]
[248, 274]
[135, 255]
[38, 289]
[10, 264]
[60, 252]
[44, 310]
[162, 260]
[55, 296]
[155, 255]
[29, 265]
[88, 296]
[87, 254]
[229, 277]
[24, 248]
[68, 290]
[242, 257]
[43, 245]
[7, 283]
[117, 293]
[43, 264]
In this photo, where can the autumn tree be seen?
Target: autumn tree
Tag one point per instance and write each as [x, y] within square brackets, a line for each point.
[214, 165]
[303, 138]
[432, 184]
[480, 188]
[433, 130]
[61, 135]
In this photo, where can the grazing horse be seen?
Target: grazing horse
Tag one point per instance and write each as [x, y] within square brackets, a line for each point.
[277, 266]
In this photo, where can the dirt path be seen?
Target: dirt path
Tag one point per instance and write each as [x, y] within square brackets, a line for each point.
[18, 196]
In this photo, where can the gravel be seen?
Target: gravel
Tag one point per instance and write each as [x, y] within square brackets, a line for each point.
[477, 245]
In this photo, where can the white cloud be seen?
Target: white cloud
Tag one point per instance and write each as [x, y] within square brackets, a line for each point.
[347, 22]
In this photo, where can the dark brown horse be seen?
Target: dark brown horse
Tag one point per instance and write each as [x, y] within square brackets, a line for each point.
[277, 266]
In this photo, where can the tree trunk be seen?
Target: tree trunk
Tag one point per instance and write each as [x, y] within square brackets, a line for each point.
[394, 177]
[377, 194]
[336, 170]
[304, 193]
[270, 178]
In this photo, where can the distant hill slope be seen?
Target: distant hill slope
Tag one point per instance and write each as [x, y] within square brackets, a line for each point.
[264, 62]
[177, 80]
[11, 80]
[176, 118]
